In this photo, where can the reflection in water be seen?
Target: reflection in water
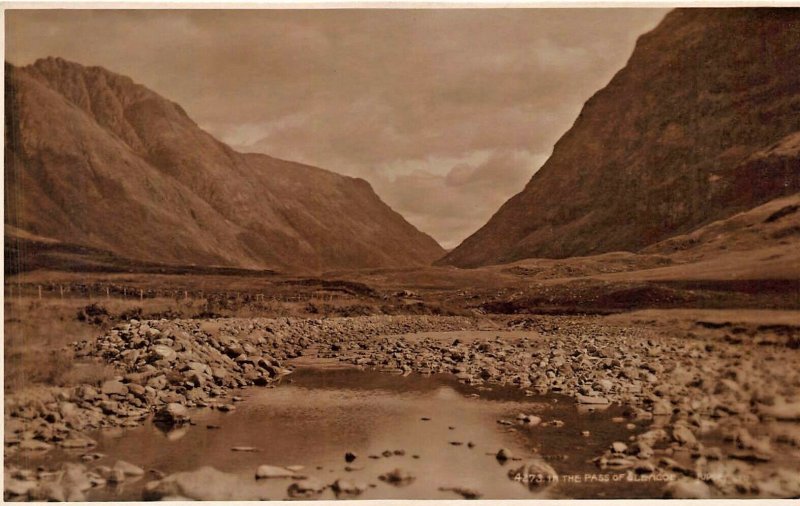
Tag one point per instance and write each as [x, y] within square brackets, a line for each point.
[319, 415]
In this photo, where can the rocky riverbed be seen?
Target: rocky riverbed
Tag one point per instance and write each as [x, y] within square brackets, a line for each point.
[722, 415]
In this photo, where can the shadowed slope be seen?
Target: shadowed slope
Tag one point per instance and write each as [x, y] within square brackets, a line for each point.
[687, 133]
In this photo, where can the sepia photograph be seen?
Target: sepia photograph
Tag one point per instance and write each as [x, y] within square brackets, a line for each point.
[408, 252]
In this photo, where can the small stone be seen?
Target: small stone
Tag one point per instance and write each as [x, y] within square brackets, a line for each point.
[162, 352]
[305, 488]
[114, 388]
[466, 493]
[267, 472]
[397, 477]
[33, 445]
[350, 456]
[662, 408]
[18, 487]
[344, 487]
[590, 399]
[244, 449]
[504, 454]
[687, 488]
[128, 468]
[683, 435]
[78, 442]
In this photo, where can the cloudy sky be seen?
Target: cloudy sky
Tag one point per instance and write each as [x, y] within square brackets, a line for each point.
[447, 113]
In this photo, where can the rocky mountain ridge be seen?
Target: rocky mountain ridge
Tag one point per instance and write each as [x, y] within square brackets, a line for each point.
[702, 123]
[94, 159]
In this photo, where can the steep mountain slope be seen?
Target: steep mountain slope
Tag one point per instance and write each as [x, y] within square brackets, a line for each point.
[696, 127]
[94, 159]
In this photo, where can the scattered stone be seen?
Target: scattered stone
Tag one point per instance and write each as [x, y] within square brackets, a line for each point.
[204, 484]
[267, 471]
[619, 447]
[504, 454]
[687, 488]
[244, 449]
[33, 445]
[397, 477]
[662, 408]
[128, 469]
[344, 487]
[466, 493]
[591, 399]
[305, 488]
[114, 387]
[173, 414]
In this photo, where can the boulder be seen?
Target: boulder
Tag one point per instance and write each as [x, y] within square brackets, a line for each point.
[173, 414]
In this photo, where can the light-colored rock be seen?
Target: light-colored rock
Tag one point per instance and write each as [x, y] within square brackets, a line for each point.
[687, 488]
[266, 471]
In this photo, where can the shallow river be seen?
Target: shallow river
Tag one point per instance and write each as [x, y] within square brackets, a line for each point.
[316, 415]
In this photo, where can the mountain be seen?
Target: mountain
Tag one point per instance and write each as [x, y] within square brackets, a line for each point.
[703, 122]
[96, 160]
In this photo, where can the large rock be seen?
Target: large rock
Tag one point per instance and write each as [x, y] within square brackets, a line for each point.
[173, 414]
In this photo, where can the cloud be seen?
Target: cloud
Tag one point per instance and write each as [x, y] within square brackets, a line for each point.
[459, 103]
[449, 205]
